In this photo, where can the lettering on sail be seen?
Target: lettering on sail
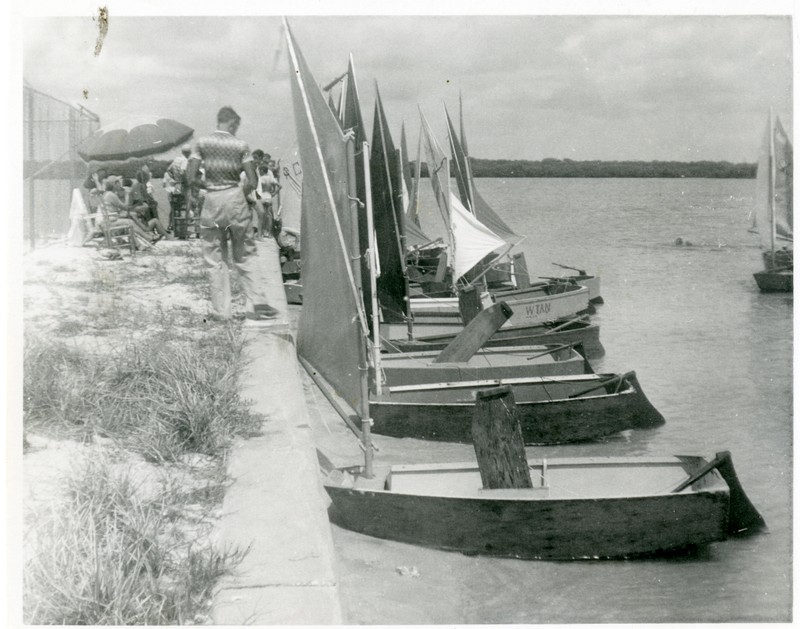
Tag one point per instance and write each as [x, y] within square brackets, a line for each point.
[537, 309]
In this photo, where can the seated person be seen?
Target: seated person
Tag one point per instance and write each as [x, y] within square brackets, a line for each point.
[142, 204]
[115, 212]
[95, 186]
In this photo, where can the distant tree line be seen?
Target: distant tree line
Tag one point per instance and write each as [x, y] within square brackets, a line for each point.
[488, 168]
[596, 168]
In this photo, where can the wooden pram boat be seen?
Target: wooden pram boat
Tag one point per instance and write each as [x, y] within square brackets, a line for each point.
[581, 508]
[432, 337]
[552, 410]
[488, 363]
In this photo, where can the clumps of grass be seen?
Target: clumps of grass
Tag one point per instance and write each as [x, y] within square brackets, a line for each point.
[163, 397]
[58, 385]
[69, 327]
[110, 555]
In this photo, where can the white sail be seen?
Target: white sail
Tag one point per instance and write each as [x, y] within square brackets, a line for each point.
[773, 207]
[473, 240]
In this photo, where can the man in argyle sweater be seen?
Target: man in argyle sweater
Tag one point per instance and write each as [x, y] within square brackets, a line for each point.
[226, 220]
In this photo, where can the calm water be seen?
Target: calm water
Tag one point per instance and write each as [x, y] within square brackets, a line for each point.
[712, 354]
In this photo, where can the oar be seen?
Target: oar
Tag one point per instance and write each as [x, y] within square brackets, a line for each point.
[708, 467]
[743, 517]
[618, 378]
[552, 350]
[581, 319]
[554, 279]
[571, 268]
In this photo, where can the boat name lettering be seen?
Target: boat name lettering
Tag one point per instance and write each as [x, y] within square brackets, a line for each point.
[537, 309]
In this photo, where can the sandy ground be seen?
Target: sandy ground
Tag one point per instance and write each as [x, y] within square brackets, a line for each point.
[78, 296]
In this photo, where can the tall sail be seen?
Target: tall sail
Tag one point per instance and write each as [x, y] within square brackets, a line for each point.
[405, 166]
[460, 166]
[413, 206]
[388, 210]
[469, 239]
[774, 188]
[332, 326]
[352, 121]
[439, 174]
[415, 237]
[467, 189]
[783, 188]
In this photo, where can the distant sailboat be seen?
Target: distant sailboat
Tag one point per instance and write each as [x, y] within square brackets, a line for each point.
[773, 209]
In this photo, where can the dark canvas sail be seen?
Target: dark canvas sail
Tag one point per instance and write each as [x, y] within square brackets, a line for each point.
[459, 166]
[388, 212]
[331, 330]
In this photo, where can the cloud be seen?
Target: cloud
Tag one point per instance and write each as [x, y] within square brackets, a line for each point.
[533, 86]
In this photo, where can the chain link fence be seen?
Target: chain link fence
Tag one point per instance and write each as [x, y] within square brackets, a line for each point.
[53, 130]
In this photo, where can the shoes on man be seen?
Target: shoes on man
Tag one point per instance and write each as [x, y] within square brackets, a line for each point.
[262, 311]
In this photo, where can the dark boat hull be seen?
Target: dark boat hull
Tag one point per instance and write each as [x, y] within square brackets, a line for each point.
[445, 414]
[512, 523]
[775, 281]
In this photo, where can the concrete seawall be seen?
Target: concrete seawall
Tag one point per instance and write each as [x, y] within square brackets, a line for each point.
[275, 505]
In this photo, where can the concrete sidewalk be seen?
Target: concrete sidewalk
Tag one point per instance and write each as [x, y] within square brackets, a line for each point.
[276, 505]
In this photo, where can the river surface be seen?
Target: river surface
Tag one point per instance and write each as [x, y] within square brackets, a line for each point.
[712, 354]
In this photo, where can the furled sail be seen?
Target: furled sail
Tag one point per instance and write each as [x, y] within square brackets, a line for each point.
[331, 335]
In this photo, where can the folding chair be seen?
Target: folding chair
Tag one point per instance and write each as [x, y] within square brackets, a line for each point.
[114, 236]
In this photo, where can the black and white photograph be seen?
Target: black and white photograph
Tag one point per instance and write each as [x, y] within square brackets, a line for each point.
[400, 314]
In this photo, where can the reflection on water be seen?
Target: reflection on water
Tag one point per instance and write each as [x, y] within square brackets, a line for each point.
[712, 354]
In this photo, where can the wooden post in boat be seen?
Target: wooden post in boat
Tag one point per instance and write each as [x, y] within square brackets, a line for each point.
[475, 334]
[522, 277]
[469, 303]
[497, 438]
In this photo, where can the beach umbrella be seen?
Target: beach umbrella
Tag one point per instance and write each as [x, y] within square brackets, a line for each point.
[135, 136]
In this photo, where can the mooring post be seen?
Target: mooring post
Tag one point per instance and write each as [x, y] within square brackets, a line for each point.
[469, 303]
[497, 437]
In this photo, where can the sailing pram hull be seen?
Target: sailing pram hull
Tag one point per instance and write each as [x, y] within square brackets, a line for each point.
[551, 410]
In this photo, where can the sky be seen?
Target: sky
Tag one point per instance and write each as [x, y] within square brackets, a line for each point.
[583, 87]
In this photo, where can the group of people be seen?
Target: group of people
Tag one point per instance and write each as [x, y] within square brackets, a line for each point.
[123, 201]
[231, 188]
[263, 196]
